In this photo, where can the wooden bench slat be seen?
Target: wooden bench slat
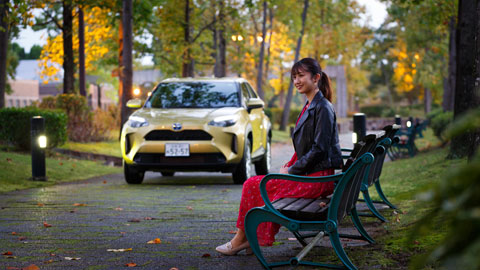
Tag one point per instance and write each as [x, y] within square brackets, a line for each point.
[283, 202]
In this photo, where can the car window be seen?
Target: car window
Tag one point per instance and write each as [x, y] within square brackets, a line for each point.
[251, 91]
[245, 93]
[194, 95]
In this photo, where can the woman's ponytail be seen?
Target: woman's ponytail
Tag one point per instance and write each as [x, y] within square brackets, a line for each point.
[325, 86]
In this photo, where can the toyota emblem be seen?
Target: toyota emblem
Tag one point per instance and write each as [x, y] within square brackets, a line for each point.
[177, 126]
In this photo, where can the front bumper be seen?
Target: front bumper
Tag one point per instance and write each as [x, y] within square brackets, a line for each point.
[211, 148]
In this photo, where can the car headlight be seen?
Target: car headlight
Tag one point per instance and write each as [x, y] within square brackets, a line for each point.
[136, 122]
[224, 121]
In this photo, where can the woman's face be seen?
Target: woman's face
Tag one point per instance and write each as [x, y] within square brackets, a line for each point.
[304, 81]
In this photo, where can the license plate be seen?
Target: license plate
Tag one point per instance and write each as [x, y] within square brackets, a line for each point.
[177, 150]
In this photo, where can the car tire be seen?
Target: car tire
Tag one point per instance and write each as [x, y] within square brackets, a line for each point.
[167, 174]
[244, 170]
[262, 167]
[132, 174]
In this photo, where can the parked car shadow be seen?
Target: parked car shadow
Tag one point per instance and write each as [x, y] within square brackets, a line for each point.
[187, 179]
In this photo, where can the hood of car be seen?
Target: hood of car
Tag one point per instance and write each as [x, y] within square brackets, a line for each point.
[184, 116]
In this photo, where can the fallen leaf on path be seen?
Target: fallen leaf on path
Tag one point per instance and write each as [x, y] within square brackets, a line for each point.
[119, 250]
[118, 209]
[206, 255]
[14, 233]
[72, 259]
[79, 204]
[292, 239]
[134, 220]
[9, 160]
[174, 268]
[149, 218]
[130, 264]
[8, 253]
[189, 208]
[60, 163]
[104, 181]
[31, 267]
[74, 165]
[46, 225]
[232, 232]
[12, 268]
[155, 241]
[49, 261]
[225, 201]
[40, 204]
[21, 238]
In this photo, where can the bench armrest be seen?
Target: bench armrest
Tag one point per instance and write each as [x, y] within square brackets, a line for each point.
[346, 150]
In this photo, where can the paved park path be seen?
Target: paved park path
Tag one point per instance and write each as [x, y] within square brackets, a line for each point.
[103, 223]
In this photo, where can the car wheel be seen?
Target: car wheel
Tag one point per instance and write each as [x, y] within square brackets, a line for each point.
[262, 167]
[132, 175]
[167, 173]
[244, 170]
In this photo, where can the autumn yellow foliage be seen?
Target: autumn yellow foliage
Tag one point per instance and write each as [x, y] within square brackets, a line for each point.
[97, 31]
[405, 69]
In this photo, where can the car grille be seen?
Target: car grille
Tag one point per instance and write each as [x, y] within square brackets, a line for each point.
[184, 135]
[193, 159]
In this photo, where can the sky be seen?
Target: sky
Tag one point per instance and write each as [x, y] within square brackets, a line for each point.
[375, 15]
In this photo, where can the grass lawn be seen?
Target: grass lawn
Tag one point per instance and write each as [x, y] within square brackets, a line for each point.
[402, 181]
[15, 171]
[110, 148]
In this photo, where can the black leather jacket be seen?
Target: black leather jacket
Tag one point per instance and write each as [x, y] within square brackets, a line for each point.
[315, 139]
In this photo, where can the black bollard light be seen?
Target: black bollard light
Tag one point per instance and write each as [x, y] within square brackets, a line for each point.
[409, 122]
[398, 120]
[38, 145]
[359, 127]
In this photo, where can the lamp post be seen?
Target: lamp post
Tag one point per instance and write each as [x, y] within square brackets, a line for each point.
[38, 145]
[237, 38]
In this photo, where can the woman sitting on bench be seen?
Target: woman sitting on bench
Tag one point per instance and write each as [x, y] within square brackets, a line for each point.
[317, 153]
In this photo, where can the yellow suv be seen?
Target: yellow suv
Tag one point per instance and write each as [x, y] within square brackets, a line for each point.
[193, 124]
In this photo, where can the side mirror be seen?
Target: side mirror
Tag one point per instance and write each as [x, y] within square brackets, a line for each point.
[254, 103]
[134, 103]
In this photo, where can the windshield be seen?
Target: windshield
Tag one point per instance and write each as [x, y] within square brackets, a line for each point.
[194, 95]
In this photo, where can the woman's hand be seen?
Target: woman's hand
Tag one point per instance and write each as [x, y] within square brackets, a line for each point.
[284, 170]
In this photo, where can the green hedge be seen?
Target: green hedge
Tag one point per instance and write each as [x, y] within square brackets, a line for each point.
[275, 115]
[15, 126]
[439, 121]
[378, 111]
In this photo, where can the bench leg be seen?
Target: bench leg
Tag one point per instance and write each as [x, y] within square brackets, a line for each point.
[255, 217]
[370, 205]
[382, 195]
[337, 246]
[359, 226]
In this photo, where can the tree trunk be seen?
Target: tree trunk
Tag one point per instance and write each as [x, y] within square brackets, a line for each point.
[81, 53]
[68, 62]
[449, 85]
[127, 21]
[267, 64]
[3, 50]
[286, 109]
[261, 55]
[187, 65]
[119, 73]
[427, 100]
[468, 75]
[221, 60]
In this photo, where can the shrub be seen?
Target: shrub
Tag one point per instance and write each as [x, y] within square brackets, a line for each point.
[15, 126]
[439, 122]
[275, 115]
[378, 111]
[83, 125]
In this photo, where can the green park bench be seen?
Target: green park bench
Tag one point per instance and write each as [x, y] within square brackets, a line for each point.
[406, 141]
[373, 178]
[318, 217]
